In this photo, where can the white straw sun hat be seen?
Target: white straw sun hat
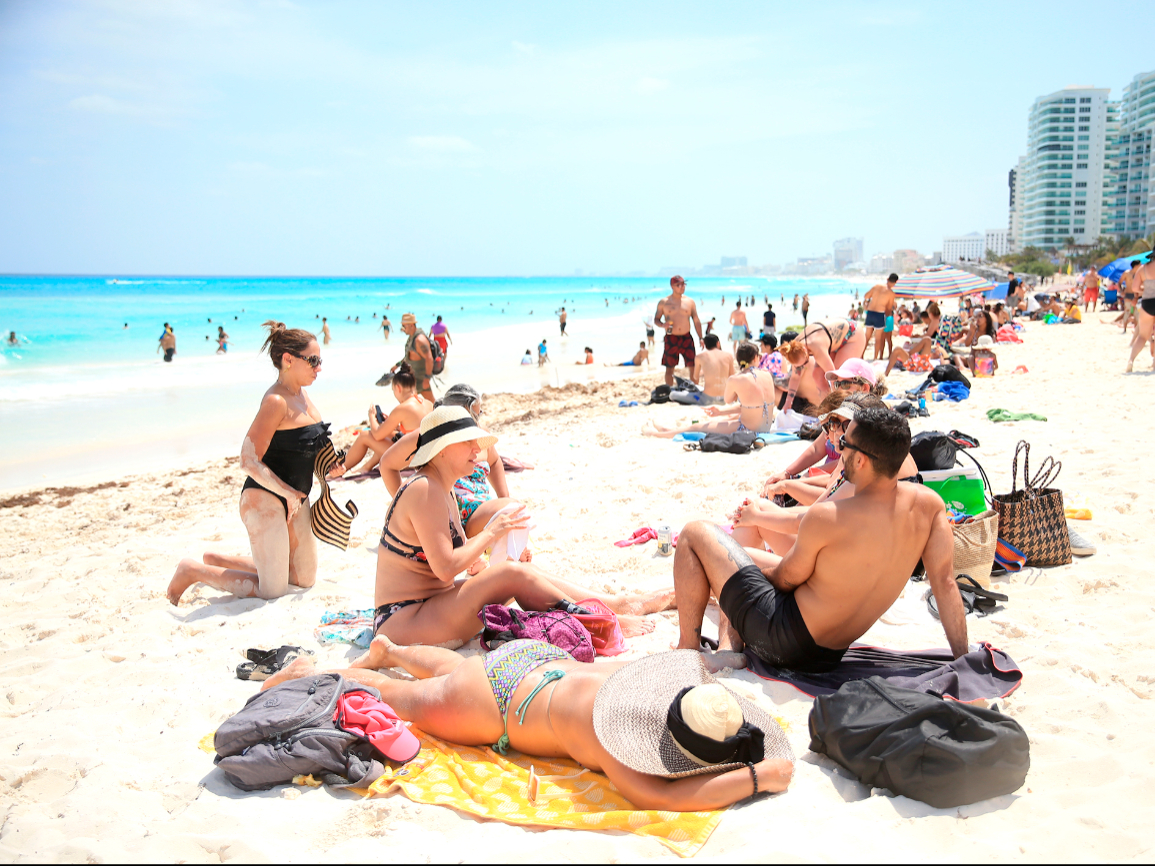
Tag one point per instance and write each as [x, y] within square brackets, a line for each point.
[631, 716]
[447, 425]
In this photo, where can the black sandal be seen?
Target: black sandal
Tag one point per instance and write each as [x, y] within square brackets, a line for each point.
[262, 664]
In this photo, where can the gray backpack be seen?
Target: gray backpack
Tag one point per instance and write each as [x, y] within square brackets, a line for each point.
[289, 730]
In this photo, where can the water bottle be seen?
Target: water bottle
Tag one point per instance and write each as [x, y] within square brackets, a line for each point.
[665, 540]
[921, 403]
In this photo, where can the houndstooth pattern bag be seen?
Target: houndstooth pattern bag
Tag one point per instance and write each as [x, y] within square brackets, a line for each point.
[1032, 519]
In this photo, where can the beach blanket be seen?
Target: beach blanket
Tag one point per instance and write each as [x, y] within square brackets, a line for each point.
[987, 673]
[1001, 415]
[956, 392]
[768, 438]
[482, 783]
[346, 626]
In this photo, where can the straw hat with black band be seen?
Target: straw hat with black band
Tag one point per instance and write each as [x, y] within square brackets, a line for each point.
[447, 425]
[665, 715]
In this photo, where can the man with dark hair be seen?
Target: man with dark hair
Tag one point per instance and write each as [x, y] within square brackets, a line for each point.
[711, 370]
[879, 306]
[849, 563]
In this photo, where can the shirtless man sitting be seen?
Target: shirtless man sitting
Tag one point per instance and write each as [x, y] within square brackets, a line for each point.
[454, 699]
[879, 304]
[674, 314]
[711, 370]
[851, 560]
[642, 356]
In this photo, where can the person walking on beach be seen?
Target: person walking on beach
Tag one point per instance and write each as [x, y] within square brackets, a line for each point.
[542, 353]
[167, 343]
[738, 327]
[1143, 283]
[386, 326]
[879, 307]
[561, 320]
[1090, 291]
[805, 309]
[277, 455]
[440, 333]
[649, 332]
[675, 313]
[796, 302]
[769, 321]
[418, 354]
[222, 340]
[325, 330]
[1130, 281]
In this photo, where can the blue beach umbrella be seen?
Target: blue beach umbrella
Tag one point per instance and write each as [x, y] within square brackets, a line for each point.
[1119, 267]
[998, 293]
[940, 283]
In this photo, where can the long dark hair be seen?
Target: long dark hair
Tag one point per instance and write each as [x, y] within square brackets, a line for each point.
[989, 327]
[404, 377]
[281, 339]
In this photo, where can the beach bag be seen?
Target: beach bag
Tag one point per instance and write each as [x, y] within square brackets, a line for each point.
[290, 730]
[941, 752]
[974, 546]
[602, 624]
[681, 384]
[739, 442]
[933, 449]
[501, 624]
[1032, 519]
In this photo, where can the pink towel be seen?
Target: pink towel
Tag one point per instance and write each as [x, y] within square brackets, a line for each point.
[361, 713]
[642, 535]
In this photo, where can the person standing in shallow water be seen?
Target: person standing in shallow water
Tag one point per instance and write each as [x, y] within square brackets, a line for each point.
[325, 330]
[277, 455]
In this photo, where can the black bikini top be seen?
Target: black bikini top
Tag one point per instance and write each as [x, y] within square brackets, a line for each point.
[403, 548]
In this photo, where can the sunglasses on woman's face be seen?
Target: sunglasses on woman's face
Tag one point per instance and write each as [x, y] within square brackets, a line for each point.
[832, 423]
[313, 361]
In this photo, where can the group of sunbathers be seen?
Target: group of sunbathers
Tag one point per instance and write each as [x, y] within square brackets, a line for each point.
[796, 584]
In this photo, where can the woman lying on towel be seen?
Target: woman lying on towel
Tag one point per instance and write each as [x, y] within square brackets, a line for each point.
[856, 376]
[407, 414]
[761, 524]
[424, 548]
[617, 718]
[750, 393]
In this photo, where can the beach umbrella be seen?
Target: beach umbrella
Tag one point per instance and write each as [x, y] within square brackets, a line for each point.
[1119, 267]
[998, 293]
[939, 283]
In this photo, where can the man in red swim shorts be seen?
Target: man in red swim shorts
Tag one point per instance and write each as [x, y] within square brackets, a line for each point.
[674, 313]
[1090, 291]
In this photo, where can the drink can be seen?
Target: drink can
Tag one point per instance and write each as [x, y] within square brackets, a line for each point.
[922, 402]
[665, 540]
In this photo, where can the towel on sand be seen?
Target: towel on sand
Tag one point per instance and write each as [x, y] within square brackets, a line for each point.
[773, 438]
[987, 673]
[480, 782]
[999, 415]
[346, 626]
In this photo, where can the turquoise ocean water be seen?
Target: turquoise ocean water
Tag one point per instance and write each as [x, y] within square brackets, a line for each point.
[83, 396]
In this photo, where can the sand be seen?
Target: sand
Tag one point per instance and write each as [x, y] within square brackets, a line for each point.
[108, 689]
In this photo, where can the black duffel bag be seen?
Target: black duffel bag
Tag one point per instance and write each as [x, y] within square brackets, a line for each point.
[918, 745]
[738, 442]
[933, 449]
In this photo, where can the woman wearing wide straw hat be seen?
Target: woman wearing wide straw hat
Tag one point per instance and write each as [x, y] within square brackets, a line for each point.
[662, 729]
[418, 596]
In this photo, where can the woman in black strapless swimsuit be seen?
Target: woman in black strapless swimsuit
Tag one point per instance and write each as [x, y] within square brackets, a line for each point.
[277, 455]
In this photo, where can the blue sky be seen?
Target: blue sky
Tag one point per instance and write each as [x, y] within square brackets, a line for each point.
[381, 138]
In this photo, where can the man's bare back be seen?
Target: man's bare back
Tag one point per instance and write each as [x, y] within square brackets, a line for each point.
[880, 299]
[711, 370]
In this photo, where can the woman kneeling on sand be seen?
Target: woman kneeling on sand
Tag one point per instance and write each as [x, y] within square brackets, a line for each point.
[418, 598]
[278, 456]
[411, 408]
[750, 390]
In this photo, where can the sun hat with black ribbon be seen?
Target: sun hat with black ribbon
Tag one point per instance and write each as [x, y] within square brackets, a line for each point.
[447, 425]
[665, 715]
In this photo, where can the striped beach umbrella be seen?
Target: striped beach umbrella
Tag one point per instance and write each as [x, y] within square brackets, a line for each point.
[939, 283]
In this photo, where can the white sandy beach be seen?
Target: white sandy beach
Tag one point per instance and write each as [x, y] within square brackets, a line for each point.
[108, 689]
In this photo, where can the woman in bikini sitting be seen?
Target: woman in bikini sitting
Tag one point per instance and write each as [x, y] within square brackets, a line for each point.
[751, 393]
[482, 493]
[419, 597]
[854, 377]
[760, 524]
[278, 456]
[406, 416]
[832, 343]
[942, 332]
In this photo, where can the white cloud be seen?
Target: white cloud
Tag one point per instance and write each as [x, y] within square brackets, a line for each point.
[441, 144]
[646, 86]
[523, 47]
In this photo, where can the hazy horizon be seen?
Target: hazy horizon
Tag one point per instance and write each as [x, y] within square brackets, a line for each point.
[359, 139]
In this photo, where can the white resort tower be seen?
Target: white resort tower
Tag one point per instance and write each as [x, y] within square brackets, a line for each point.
[1134, 212]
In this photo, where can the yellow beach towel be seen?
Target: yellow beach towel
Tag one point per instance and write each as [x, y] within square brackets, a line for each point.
[481, 782]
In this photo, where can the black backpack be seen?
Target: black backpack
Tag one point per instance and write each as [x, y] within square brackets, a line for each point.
[289, 730]
[438, 365]
[918, 745]
[739, 442]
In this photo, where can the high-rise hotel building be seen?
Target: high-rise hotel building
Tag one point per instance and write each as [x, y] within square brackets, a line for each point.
[1134, 212]
[1064, 186]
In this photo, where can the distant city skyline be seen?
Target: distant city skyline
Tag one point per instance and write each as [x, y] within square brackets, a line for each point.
[377, 138]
